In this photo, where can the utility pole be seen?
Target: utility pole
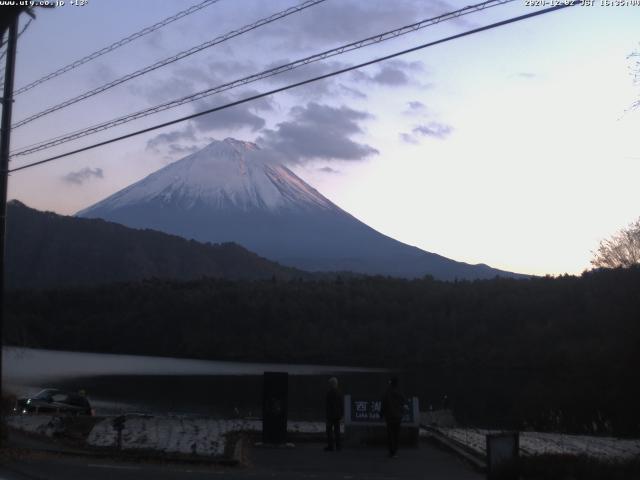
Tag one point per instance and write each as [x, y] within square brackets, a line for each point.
[5, 143]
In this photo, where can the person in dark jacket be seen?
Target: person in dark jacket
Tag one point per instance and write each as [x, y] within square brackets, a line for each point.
[392, 410]
[335, 411]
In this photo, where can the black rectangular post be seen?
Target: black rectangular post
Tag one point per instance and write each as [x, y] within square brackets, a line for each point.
[275, 407]
[5, 144]
[503, 456]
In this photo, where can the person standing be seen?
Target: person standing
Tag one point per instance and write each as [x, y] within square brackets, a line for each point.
[334, 412]
[392, 411]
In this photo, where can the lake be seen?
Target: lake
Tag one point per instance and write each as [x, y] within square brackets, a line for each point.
[160, 385]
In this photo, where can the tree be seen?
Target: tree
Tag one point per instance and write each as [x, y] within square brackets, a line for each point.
[621, 250]
[635, 73]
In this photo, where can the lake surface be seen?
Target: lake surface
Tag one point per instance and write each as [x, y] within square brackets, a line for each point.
[28, 364]
[158, 385]
[132, 383]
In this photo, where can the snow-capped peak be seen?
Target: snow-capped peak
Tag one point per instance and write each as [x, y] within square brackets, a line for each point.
[224, 174]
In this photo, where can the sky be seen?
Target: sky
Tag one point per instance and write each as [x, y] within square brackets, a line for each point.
[515, 147]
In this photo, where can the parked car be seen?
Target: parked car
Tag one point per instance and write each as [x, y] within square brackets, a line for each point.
[52, 400]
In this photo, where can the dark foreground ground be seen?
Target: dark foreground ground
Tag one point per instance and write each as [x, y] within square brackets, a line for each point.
[305, 460]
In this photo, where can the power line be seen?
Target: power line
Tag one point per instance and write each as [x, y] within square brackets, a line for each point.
[299, 84]
[260, 76]
[118, 44]
[172, 59]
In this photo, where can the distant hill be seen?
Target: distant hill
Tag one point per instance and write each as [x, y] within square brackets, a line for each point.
[46, 250]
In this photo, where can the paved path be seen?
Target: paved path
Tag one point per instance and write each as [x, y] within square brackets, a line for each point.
[310, 461]
[305, 461]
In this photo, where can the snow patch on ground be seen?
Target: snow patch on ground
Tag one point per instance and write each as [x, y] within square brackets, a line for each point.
[190, 436]
[538, 443]
[41, 424]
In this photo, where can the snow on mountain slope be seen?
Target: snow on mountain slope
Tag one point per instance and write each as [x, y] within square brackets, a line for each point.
[222, 175]
[229, 192]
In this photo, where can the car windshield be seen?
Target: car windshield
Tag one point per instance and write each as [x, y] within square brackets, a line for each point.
[45, 394]
[60, 397]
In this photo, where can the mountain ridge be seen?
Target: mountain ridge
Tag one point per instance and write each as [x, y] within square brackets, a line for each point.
[233, 191]
[46, 250]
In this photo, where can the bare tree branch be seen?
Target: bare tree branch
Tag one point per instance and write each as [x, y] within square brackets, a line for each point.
[621, 250]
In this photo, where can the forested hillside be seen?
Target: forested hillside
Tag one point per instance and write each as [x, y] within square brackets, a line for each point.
[46, 250]
[539, 345]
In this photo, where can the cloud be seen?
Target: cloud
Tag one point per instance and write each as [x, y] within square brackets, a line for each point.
[156, 41]
[176, 149]
[229, 69]
[179, 81]
[177, 143]
[415, 107]
[80, 176]
[188, 139]
[328, 86]
[328, 170]
[345, 21]
[234, 118]
[433, 129]
[391, 74]
[329, 24]
[318, 132]
[101, 72]
[408, 138]
[352, 92]
[160, 90]
[163, 139]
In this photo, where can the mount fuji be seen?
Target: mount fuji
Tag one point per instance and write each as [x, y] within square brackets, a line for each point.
[230, 192]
